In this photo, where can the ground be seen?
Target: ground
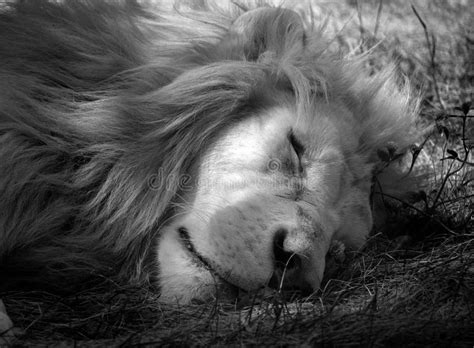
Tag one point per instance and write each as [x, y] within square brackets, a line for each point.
[412, 285]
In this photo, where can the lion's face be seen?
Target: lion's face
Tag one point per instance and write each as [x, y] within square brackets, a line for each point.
[270, 196]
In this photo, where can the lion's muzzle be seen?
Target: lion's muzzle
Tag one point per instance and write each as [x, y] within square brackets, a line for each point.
[252, 244]
[266, 242]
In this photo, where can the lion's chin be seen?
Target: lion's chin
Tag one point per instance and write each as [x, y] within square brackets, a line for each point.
[185, 277]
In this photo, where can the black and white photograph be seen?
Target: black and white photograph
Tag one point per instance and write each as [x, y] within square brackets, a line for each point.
[236, 173]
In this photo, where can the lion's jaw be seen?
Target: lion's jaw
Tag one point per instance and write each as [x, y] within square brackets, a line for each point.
[265, 206]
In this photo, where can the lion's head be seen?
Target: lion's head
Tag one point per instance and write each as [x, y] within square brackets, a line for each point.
[207, 152]
[277, 187]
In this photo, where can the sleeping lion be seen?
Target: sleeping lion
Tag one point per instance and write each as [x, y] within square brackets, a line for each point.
[205, 151]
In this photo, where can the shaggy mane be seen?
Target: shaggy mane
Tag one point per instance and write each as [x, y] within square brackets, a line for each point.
[98, 97]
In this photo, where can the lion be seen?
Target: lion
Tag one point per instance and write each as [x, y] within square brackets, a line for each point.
[206, 151]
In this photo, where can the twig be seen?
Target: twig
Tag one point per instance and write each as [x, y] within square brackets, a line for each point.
[377, 21]
[361, 24]
[418, 210]
[431, 45]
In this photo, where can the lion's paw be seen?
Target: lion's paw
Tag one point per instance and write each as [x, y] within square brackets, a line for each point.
[6, 326]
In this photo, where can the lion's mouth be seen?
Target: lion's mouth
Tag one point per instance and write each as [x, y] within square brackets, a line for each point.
[197, 257]
[229, 290]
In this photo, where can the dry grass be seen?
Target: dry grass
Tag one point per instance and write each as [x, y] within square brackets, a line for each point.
[412, 285]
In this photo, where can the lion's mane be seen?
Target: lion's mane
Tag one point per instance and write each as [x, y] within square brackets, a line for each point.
[97, 97]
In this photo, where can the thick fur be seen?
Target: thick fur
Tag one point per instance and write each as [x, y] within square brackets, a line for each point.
[98, 97]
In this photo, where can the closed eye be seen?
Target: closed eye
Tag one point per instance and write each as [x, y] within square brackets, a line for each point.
[298, 148]
[296, 143]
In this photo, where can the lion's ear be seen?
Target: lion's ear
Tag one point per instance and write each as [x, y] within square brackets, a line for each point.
[273, 30]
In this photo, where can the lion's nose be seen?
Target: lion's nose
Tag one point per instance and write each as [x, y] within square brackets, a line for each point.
[284, 259]
[288, 266]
